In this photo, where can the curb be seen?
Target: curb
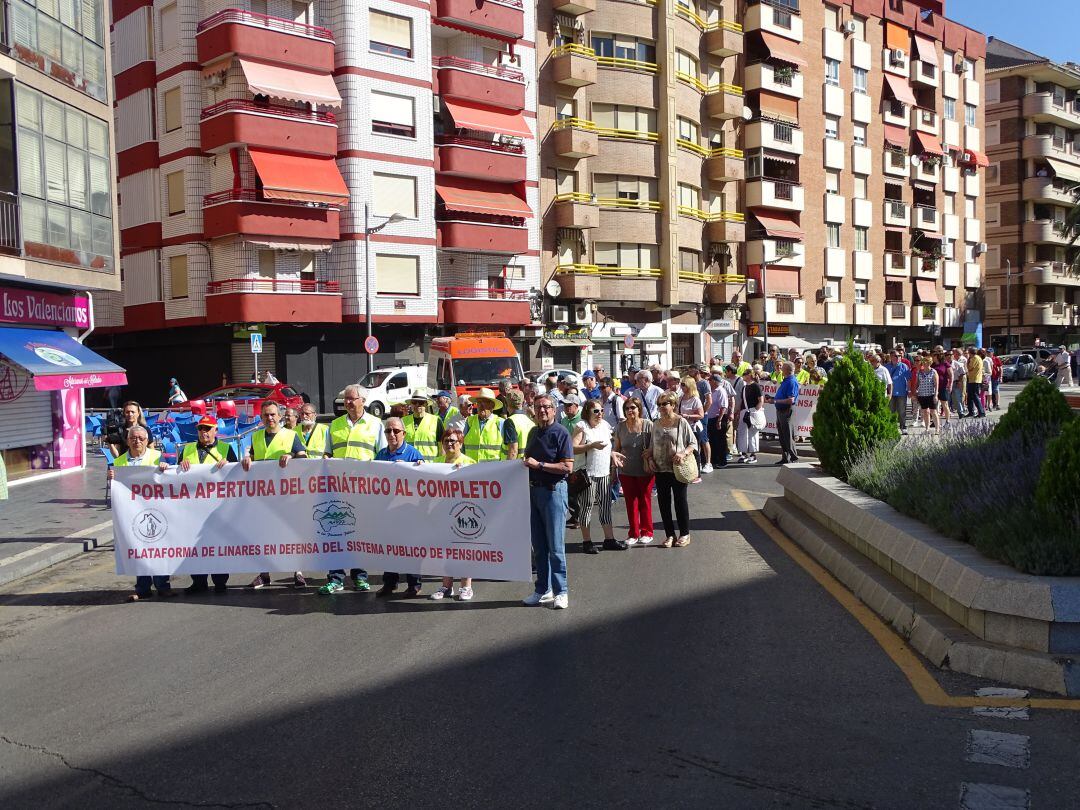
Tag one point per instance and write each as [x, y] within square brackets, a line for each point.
[50, 554]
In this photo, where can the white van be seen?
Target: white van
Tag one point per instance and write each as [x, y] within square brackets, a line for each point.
[385, 388]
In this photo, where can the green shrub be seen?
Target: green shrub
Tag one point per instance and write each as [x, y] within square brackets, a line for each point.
[1058, 492]
[852, 415]
[1039, 407]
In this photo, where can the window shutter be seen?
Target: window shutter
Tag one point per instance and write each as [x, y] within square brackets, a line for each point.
[394, 194]
[604, 115]
[604, 185]
[170, 28]
[606, 254]
[173, 109]
[392, 109]
[31, 175]
[650, 256]
[391, 30]
[397, 275]
[175, 184]
[178, 277]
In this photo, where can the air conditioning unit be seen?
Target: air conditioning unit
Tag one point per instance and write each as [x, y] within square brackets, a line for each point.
[827, 292]
[560, 314]
[960, 65]
[897, 56]
[848, 27]
[215, 80]
[508, 59]
[946, 160]
[583, 314]
[981, 248]
[751, 286]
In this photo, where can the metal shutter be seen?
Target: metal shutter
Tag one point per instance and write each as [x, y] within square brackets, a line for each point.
[26, 415]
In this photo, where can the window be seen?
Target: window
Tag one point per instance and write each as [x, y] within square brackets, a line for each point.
[860, 26]
[393, 194]
[862, 238]
[969, 207]
[783, 133]
[948, 249]
[894, 291]
[686, 64]
[625, 254]
[267, 269]
[992, 174]
[396, 382]
[950, 109]
[689, 261]
[993, 214]
[832, 72]
[950, 203]
[174, 183]
[307, 265]
[832, 126]
[390, 34]
[622, 116]
[565, 108]
[832, 17]
[178, 277]
[397, 275]
[173, 110]
[301, 13]
[832, 181]
[604, 45]
[860, 134]
[859, 75]
[689, 196]
[392, 115]
[993, 133]
[860, 292]
[860, 187]
[969, 114]
[68, 34]
[785, 306]
[565, 182]
[969, 252]
[169, 27]
[832, 233]
[753, 165]
[688, 130]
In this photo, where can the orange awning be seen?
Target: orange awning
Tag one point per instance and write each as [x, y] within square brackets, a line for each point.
[896, 36]
[979, 159]
[926, 291]
[782, 49]
[896, 136]
[480, 197]
[777, 225]
[299, 177]
[925, 51]
[928, 144]
[291, 84]
[487, 119]
[900, 90]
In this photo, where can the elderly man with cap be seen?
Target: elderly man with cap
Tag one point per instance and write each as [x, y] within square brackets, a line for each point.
[316, 437]
[513, 412]
[141, 454]
[591, 387]
[423, 430]
[205, 450]
[1063, 364]
[445, 410]
[489, 437]
[398, 450]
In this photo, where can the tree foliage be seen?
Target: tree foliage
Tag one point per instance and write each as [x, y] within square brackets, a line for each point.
[1039, 407]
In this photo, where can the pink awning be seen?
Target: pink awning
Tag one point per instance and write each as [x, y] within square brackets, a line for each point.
[291, 84]
[900, 90]
[482, 118]
[926, 291]
[929, 143]
[925, 51]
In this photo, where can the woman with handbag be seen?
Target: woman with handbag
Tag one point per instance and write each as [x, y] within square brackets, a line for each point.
[631, 450]
[674, 464]
[592, 439]
[750, 420]
[692, 410]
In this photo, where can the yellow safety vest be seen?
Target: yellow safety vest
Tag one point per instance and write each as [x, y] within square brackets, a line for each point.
[280, 445]
[451, 414]
[803, 377]
[191, 453]
[524, 427]
[422, 436]
[357, 442]
[486, 444]
[149, 459]
[743, 366]
[464, 461]
[318, 442]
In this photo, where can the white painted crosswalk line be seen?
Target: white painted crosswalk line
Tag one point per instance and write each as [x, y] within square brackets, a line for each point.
[979, 796]
[1003, 712]
[1001, 691]
[998, 748]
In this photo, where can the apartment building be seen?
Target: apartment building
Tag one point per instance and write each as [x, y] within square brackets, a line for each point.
[301, 168]
[1033, 142]
[57, 226]
[710, 166]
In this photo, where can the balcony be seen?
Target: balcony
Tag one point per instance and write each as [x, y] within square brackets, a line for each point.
[782, 194]
[926, 121]
[247, 300]
[774, 78]
[481, 234]
[726, 289]
[270, 39]
[482, 159]
[574, 8]
[724, 101]
[864, 315]
[637, 284]
[245, 212]
[926, 172]
[1037, 146]
[895, 162]
[1048, 190]
[1045, 230]
[896, 114]
[725, 226]
[1046, 108]
[924, 315]
[574, 138]
[774, 135]
[505, 17]
[924, 73]
[496, 85]
[483, 305]
[780, 253]
[895, 212]
[764, 16]
[1051, 273]
[780, 310]
[896, 313]
[575, 209]
[573, 65]
[925, 218]
[239, 123]
[837, 312]
[895, 263]
[951, 274]
[893, 64]
[925, 266]
[1053, 314]
[723, 38]
[723, 165]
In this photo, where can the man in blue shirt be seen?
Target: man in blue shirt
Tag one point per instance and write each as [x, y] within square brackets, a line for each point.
[900, 374]
[592, 390]
[784, 399]
[397, 449]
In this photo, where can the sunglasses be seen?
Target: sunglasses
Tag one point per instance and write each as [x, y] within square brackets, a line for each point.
[393, 431]
[205, 427]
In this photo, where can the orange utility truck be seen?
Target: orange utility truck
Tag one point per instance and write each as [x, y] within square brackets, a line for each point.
[469, 361]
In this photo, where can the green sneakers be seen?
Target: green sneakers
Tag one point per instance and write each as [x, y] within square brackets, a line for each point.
[361, 584]
[331, 587]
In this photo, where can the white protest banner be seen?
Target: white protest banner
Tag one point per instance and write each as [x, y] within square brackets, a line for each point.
[320, 514]
[802, 417]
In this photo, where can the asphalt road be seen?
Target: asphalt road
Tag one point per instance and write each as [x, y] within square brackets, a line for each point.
[716, 675]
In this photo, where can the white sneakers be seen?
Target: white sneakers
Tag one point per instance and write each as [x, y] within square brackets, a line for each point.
[644, 540]
[442, 593]
[560, 602]
[464, 594]
[631, 541]
[708, 468]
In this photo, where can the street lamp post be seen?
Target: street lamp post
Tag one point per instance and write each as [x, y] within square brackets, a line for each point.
[368, 231]
[1008, 305]
[765, 302]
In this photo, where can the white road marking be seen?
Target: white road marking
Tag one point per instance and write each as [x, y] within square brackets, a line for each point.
[998, 748]
[1003, 712]
[30, 552]
[979, 796]
[1001, 691]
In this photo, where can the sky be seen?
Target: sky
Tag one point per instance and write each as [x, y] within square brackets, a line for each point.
[1047, 27]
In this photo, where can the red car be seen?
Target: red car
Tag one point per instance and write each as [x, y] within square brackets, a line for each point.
[245, 395]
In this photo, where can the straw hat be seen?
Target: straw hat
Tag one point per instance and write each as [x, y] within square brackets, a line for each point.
[489, 395]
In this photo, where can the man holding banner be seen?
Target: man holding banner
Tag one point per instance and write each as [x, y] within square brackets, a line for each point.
[396, 450]
[207, 450]
[141, 454]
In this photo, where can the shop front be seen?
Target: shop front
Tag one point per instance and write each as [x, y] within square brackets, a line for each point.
[43, 371]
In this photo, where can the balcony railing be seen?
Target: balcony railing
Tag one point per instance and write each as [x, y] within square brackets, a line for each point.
[715, 152]
[484, 293]
[575, 48]
[896, 260]
[691, 16]
[479, 219]
[926, 215]
[270, 285]
[9, 221]
[241, 105]
[897, 208]
[236, 15]
[498, 71]
[610, 272]
[711, 278]
[629, 205]
[254, 195]
[713, 216]
[604, 132]
[480, 143]
[626, 64]
[783, 189]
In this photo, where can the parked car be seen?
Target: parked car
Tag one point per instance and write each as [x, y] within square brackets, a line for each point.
[1017, 367]
[385, 388]
[244, 396]
[536, 376]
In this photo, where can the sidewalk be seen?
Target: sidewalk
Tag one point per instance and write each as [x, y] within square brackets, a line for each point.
[45, 522]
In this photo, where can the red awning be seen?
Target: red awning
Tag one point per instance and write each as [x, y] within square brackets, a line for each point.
[299, 177]
[900, 90]
[926, 291]
[778, 225]
[896, 136]
[480, 197]
[487, 119]
[291, 84]
[937, 237]
[975, 158]
[782, 49]
[925, 51]
[929, 144]
[895, 229]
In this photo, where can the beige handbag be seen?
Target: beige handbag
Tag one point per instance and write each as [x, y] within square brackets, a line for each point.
[686, 472]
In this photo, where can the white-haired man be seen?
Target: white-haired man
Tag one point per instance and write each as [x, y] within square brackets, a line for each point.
[648, 394]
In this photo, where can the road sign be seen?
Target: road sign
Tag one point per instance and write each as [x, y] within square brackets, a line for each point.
[256, 343]
[371, 344]
[628, 341]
